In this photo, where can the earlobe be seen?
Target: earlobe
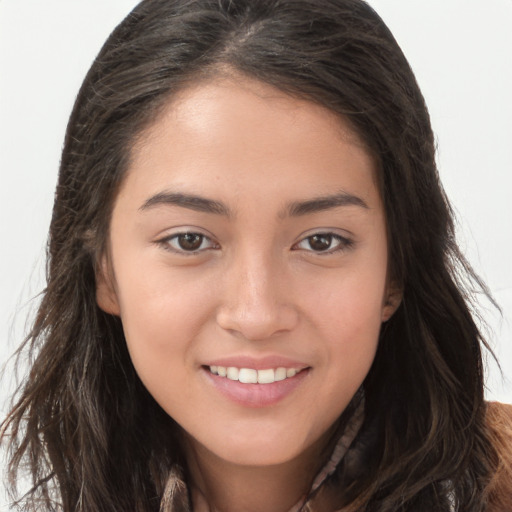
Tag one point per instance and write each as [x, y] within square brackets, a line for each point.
[392, 301]
[106, 297]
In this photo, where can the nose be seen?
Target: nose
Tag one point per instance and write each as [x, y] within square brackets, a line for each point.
[257, 299]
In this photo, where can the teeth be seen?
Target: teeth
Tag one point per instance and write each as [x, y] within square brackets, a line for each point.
[232, 373]
[248, 376]
[251, 376]
[266, 376]
[280, 374]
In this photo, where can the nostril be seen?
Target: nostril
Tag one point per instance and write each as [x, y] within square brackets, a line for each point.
[256, 325]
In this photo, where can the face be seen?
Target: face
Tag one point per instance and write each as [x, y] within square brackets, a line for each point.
[248, 264]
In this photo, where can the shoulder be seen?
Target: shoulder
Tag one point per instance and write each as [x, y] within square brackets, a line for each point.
[499, 423]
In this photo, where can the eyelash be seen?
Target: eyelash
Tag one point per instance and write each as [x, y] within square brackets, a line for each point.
[167, 243]
[343, 243]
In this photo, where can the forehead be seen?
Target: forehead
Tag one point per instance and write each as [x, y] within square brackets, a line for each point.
[232, 97]
[243, 133]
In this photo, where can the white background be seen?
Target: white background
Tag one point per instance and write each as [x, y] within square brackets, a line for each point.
[460, 50]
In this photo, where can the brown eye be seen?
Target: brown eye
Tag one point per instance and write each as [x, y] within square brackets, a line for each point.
[190, 241]
[320, 242]
[324, 243]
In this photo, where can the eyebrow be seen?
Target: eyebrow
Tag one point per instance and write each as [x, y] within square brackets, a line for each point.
[318, 204]
[192, 202]
[294, 209]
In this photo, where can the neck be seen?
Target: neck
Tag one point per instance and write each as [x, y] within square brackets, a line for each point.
[221, 486]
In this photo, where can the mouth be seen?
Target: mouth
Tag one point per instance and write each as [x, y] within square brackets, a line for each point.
[253, 376]
[251, 387]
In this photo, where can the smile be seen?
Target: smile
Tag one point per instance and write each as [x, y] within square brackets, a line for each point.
[252, 376]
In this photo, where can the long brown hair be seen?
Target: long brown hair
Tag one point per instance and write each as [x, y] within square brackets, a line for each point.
[89, 433]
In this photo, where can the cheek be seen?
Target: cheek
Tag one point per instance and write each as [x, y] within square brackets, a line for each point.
[353, 334]
[347, 312]
[348, 301]
[162, 313]
[352, 344]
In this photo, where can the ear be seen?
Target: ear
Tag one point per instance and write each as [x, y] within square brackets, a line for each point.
[106, 297]
[392, 300]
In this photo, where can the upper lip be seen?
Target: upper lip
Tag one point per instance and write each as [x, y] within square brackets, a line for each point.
[257, 363]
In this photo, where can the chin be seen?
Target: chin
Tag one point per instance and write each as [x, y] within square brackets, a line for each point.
[260, 450]
[258, 456]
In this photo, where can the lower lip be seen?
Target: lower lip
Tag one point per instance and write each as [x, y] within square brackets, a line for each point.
[256, 395]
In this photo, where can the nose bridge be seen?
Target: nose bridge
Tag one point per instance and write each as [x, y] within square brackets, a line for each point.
[256, 278]
[256, 301]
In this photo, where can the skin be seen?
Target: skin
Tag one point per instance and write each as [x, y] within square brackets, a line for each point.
[256, 287]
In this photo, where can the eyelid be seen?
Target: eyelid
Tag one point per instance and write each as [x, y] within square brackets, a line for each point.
[345, 241]
[164, 241]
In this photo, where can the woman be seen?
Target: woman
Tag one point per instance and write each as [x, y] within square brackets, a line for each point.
[242, 312]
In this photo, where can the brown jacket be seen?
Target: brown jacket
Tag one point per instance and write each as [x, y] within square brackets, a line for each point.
[499, 491]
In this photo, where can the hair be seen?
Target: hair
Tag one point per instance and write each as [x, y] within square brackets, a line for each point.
[85, 428]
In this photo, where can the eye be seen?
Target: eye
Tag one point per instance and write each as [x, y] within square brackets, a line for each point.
[187, 242]
[323, 243]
